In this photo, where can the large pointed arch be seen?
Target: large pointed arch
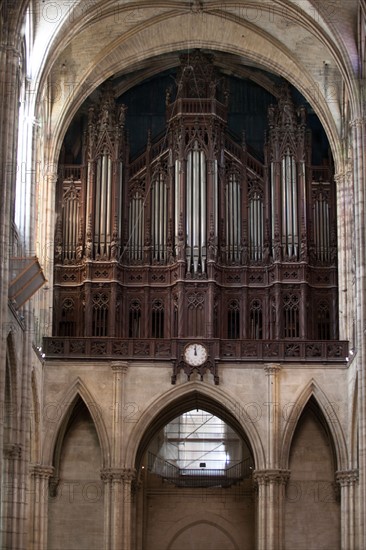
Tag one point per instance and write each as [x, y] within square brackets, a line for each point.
[123, 54]
[181, 399]
[78, 391]
[292, 414]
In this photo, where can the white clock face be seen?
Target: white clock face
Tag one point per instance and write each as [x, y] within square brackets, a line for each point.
[195, 354]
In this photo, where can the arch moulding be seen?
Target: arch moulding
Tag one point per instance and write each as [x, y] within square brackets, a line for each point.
[181, 399]
[78, 390]
[330, 415]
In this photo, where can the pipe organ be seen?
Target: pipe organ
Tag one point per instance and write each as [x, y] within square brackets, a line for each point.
[196, 236]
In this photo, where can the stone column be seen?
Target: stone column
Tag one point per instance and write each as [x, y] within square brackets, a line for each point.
[40, 476]
[270, 497]
[272, 371]
[347, 480]
[120, 369]
[271, 481]
[118, 507]
[118, 479]
[9, 98]
[358, 129]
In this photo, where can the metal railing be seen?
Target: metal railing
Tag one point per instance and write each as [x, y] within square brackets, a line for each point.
[200, 477]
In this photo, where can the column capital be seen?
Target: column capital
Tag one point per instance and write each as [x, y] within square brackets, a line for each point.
[272, 368]
[42, 471]
[357, 122]
[118, 475]
[266, 477]
[12, 451]
[339, 177]
[347, 477]
[120, 366]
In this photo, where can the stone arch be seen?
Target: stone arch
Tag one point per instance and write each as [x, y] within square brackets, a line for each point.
[181, 399]
[78, 391]
[190, 521]
[330, 417]
[123, 54]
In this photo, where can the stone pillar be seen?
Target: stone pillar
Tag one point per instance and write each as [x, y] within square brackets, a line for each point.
[120, 369]
[270, 498]
[40, 476]
[358, 129]
[118, 479]
[347, 480]
[118, 507]
[11, 496]
[272, 371]
[272, 480]
[9, 98]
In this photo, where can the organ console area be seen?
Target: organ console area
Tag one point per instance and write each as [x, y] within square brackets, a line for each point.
[196, 236]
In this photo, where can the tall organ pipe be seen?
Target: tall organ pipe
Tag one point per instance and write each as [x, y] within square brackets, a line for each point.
[203, 210]
[177, 205]
[196, 209]
[189, 211]
[97, 212]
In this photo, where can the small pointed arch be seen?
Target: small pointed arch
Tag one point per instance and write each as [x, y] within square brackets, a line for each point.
[78, 393]
[183, 398]
[314, 396]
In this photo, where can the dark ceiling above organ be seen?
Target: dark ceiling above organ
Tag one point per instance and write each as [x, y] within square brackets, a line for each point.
[196, 237]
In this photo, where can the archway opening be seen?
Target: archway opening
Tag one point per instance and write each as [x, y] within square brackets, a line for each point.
[194, 466]
[198, 449]
[76, 501]
[311, 494]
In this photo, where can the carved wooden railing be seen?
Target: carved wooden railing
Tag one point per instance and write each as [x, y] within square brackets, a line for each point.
[154, 349]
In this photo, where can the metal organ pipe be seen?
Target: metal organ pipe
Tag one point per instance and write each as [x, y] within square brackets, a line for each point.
[290, 240]
[216, 202]
[189, 211]
[165, 225]
[321, 226]
[233, 219]
[196, 221]
[109, 203]
[120, 203]
[97, 212]
[203, 210]
[294, 202]
[196, 209]
[159, 217]
[177, 205]
[88, 191]
[103, 193]
[273, 204]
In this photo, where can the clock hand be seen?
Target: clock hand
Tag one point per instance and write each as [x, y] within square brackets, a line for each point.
[195, 350]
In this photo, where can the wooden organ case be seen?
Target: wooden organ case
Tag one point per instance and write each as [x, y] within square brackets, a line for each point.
[196, 238]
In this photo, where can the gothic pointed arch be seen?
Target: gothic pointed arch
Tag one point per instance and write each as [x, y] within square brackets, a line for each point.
[329, 417]
[77, 393]
[181, 399]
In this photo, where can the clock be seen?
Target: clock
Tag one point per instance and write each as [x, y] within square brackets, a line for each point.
[195, 355]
